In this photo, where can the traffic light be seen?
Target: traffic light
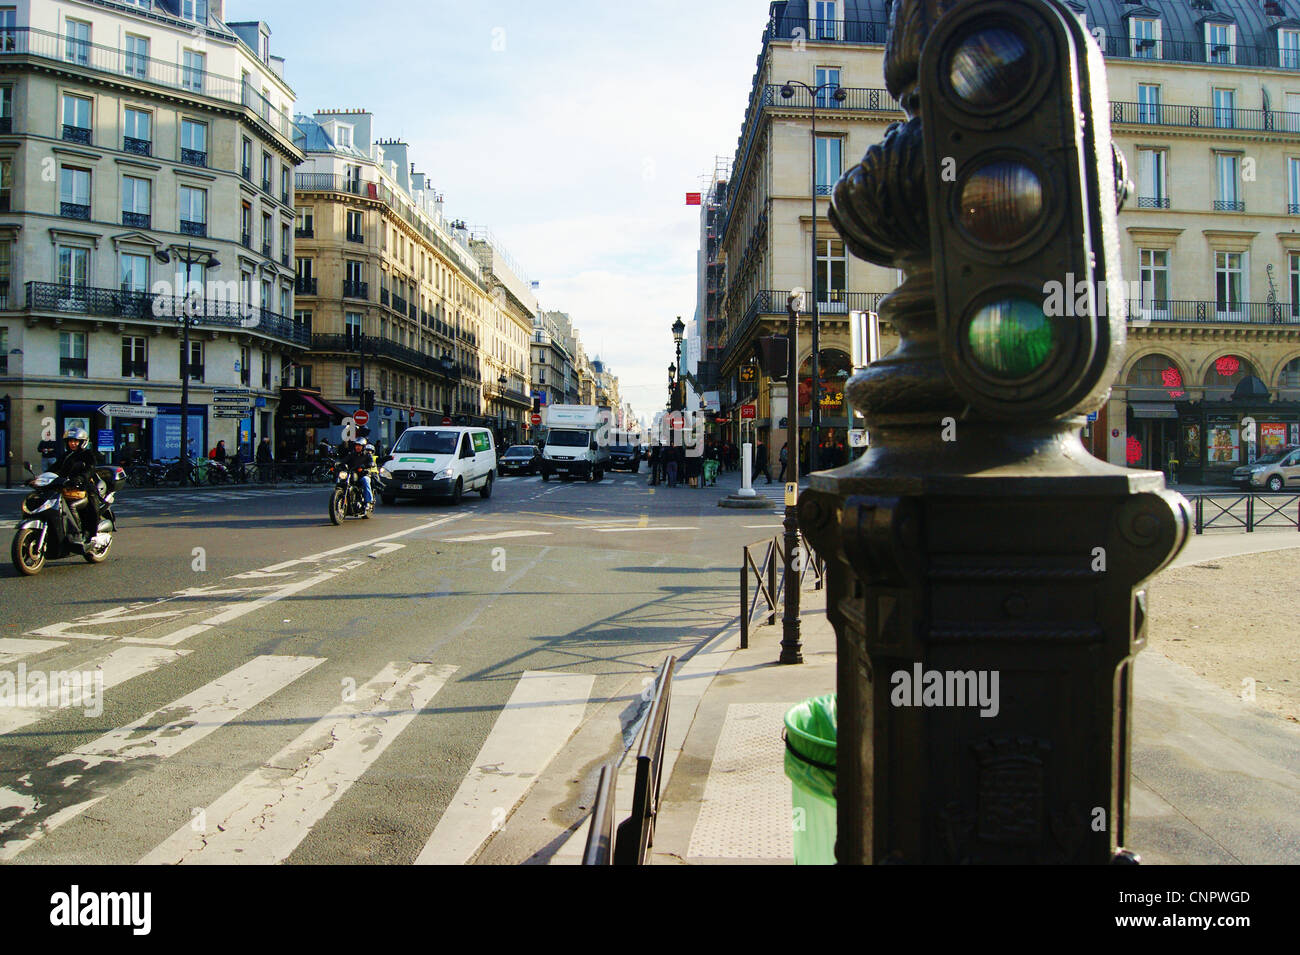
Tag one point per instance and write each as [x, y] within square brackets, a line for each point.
[537, 405]
[368, 400]
[1022, 186]
[772, 352]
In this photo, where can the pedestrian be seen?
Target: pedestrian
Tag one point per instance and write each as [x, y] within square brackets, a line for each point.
[760, 462]
[654, 465]
[219, 453]
[672, 465]
[785, 459]
[265, 463]
[49, 452]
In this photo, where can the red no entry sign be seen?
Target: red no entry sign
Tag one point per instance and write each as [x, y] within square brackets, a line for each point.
[361, 417]
[535, 418]
[446, 420]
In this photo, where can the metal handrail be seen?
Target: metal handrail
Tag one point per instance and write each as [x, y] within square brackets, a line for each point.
[1223, 513]
[636, 834]
[771, 585]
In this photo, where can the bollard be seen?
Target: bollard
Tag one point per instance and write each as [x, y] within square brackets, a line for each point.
[747, 471]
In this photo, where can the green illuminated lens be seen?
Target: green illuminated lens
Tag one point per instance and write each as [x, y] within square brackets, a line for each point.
[1011, 338]
[1001, 202]
[990, 67]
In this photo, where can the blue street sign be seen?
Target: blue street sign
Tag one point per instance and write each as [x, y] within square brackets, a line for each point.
[260, 402]
[1092, 416]
[135, 396]
[104, 439]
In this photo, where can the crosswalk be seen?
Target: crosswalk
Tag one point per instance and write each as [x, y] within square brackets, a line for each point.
[265, 814]
[130, 504]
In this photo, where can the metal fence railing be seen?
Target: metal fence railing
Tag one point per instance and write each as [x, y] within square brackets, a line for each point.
[1246, 511]
[769, 578]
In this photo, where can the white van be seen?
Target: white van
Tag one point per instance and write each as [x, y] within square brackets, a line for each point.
[437, 461]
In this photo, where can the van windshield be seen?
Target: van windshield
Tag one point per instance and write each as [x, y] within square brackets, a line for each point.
[426, 442]
[567, 439]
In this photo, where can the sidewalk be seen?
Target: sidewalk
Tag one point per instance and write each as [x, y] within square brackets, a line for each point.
[1215, 780]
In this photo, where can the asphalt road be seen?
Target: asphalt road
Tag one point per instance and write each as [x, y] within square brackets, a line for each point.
[277, 689]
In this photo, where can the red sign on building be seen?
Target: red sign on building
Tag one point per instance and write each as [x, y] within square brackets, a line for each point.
[748, 413]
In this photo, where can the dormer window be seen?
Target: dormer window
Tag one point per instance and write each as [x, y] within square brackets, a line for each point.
[1288, 49]
[195, 10]
[343, 136]
[1144, 37]
[1220, 43]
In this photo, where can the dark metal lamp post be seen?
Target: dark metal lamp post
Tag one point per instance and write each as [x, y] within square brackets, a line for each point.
[190, 259]
[679, 396]
[791, 641]
[815, 419]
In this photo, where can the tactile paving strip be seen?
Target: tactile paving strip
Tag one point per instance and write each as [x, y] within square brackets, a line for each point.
[746, 811]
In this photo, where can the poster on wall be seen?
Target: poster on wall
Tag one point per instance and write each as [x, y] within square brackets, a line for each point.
[1295, 433]
[1272, 437]
[1223, 446]
[82, 423]
[1191, 443]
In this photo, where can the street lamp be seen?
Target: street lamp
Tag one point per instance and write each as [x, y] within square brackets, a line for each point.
[679, 404]
[791, 644]
[190, 258]
[448, 363]
[787, 91]
[501, 401]
[672, 386]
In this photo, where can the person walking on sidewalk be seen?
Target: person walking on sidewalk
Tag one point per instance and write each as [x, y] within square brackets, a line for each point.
[760, 462]
[671, 465]
[785, 459]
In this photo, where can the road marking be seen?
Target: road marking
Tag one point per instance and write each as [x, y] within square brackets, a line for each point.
[387, 549]
[13, 649]
[121, 665]
[619, 530]
[154, 737]
[645, 521]
[497, 536]
[265, 817]
[763, 525]
[543, 712]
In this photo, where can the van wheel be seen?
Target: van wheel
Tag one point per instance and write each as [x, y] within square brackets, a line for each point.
[486, 490]
[457, 492]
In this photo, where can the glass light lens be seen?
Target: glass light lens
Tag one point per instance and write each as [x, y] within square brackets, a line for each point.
[1001, 202]
[1011, 338]
[990, 67]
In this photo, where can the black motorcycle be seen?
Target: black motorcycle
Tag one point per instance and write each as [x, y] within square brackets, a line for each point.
[347, 498]
[51, 527]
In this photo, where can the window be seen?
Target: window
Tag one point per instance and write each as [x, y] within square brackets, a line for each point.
[4, 349]
[829, 152]
[135, 202]
[284, 183]
[1293, 277]
[353, 380]
[286, 300]
[1220, 43]
[825, 20]
[352, 328]
[285, 243]
[246, 224]
[192, 69]
[196, 10]
[74, 193]
[352, 284]
[194, 142]
[245, 363]
[246, 160]
[1148, 103]
[74, 268]
[1152, 179]
[76, 47]
[832, 274]
[195, 363]
[135, 273]
[76, 118]
[135, 357]
[1153, 265]
[1288, 49]
[8, 28]
[1229, 180]
[266, 172]
[354, 227]
[6, 184]
[1225, 113]
[6, 108]
[266, 370]
[352, 177]
[302, 318]
[1229, 283]
[193, 211]
[343, 136]
[827, 75]
[1144, 36]
[266, 234]
[6, 274]
[136, 58]
[265, 300]
[1293, 186]
[304, 225]
[72, 354]
[137, 131]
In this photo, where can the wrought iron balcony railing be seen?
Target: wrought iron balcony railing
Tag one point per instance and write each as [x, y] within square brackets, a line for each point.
[74, 210]
[355, 289]
[1229, 205]
[1213, 312]
[189, 227]
[140, 147]
[76, 134]
[772, 302]
[1197, 51]
[1203, 117]
[137, 220]
[304, 285]
[1153, 202]
[383, 348]
[44, 45]
[161, 309]
[194, 157]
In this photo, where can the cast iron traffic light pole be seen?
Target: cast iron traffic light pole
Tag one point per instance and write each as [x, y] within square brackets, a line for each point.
[984, 571]
[791, 642]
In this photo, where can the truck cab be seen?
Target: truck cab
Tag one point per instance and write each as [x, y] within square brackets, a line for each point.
[577, 442]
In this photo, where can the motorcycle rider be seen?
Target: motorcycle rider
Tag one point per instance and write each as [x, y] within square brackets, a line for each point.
[78, 466]
[354, 456]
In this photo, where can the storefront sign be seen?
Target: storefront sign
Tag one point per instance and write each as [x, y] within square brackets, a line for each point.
[1272, 436]
[1224, 445]
[104, 439]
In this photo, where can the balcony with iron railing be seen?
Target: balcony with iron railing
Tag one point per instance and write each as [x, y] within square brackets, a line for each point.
[304, 285]
[1227, 118]
[194, 157]
[383, 348]
[74, 210]
[76, 134]
[353, 288]
[140, 147]
[136, 220]
[1198, 51]
[191, 227]
[1227, 312]
[772, 302]
[111, 61]
[164, 310]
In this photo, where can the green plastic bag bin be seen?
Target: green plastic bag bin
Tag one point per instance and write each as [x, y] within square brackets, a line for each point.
[810, 733]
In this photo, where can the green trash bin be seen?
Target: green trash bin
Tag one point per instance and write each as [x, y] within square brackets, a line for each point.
[810, 733]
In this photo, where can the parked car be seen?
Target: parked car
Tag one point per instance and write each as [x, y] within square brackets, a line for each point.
[439, 462]
[1274, 471]
[625, 456]
[520, 459]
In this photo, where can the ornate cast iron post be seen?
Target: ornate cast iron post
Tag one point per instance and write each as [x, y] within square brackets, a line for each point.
[984, 570]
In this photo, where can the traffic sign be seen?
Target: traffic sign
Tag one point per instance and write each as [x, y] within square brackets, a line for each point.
[360, 416]
[446, 420]
[748, 413]
[129, 411]
[535, 418]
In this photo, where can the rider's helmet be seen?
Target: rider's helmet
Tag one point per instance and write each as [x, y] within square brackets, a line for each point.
[78, 435]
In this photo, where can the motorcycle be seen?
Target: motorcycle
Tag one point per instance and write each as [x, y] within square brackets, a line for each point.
[347, 500]
[51, 527]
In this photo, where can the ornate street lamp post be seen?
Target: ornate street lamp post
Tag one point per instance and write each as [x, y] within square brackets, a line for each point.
[188, 308]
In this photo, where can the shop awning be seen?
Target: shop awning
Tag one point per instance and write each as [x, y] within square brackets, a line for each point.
[1153, 409]
[321, 405]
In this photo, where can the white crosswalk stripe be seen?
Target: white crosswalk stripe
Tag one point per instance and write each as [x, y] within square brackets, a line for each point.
[156, 736]
[264, 818]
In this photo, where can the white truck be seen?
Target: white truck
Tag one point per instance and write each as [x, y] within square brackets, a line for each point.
[577, 442]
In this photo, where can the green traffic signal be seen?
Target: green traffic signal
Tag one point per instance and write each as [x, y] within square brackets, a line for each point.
[1011, 338]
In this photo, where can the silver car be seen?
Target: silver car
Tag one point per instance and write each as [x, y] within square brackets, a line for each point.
[1274, 471]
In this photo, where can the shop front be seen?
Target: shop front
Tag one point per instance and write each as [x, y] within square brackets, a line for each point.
[834, 369]
[151, 435]
[1214, 437]
[302, 420]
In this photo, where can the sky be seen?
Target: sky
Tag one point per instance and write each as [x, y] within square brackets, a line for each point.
[571, 131]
